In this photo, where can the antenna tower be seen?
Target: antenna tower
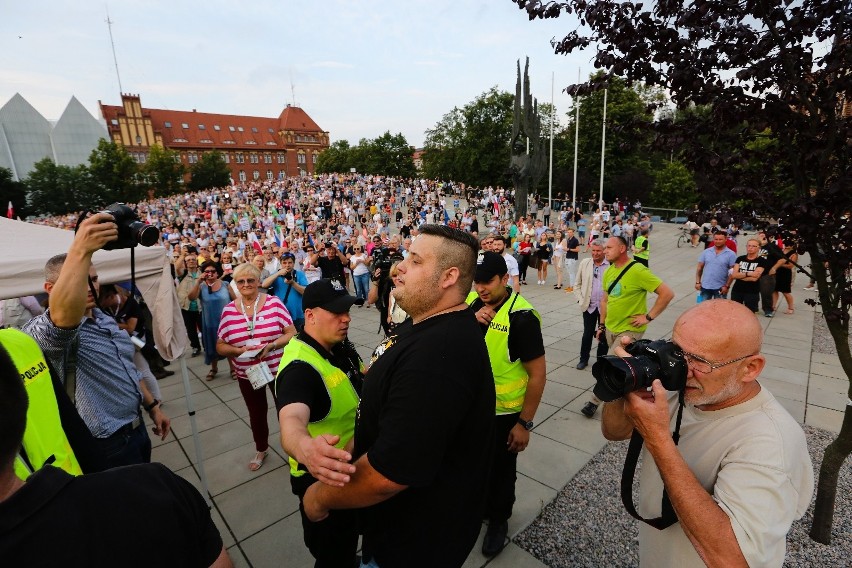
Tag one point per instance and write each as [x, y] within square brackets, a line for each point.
[114, 58]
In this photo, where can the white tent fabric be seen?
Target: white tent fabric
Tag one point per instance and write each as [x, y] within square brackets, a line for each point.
[26, 248]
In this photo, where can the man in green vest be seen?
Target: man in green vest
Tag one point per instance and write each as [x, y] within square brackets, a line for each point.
[512, 329]
[642, 248]
[317, 392]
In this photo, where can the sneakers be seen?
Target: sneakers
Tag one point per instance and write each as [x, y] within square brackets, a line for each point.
[582, 365]
[769, 314]
[196, 352]
[809, 288]
[495, 538]
[557, 287]
[590, 409]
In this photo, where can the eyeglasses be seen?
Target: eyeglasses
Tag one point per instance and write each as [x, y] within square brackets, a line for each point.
[246, 281]
[209, 272]
[704, 366]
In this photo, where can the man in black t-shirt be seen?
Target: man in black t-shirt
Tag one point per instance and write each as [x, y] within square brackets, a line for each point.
[423, 440]
[512, 330]
[746, 276]
[773, 256]
[92, 520]
[316, 410]
[331, 261]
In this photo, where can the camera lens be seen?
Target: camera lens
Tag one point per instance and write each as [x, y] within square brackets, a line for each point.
[145, 235]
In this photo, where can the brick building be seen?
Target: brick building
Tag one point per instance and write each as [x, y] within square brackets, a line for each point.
[255, 148]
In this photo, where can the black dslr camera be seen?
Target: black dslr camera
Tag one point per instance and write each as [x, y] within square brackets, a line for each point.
[617, 376]
[383, 259]
[131, 231]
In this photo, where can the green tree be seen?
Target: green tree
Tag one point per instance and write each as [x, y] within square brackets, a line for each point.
[56, 190]
[335, 158]
[389, 154]
[674, 186]
[210, 171]
[471, 144]
[628, 156]
[115, 173]
[163, 171]
[14, 191]
[776, 65]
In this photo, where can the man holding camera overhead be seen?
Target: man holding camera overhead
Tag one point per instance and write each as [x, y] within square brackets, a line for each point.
[740, 473]
[86, 346]
[623, 308]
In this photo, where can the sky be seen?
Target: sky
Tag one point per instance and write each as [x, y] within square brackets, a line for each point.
[358, 69]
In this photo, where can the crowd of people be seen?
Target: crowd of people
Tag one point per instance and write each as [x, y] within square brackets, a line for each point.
[435, 420]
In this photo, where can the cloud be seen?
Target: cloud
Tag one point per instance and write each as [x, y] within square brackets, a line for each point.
[329, 65]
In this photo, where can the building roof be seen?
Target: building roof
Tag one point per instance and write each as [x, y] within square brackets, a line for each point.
[295, 119]
[194, 129]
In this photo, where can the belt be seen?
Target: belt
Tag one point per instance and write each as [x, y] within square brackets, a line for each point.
[129, 427]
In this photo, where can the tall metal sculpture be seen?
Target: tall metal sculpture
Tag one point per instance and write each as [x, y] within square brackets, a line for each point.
[529, 157]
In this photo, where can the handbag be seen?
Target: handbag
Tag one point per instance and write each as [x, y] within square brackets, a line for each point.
[259, 375]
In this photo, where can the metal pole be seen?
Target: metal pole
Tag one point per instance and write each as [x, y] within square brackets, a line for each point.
[552, 118]
[576, 143]
[603, 147]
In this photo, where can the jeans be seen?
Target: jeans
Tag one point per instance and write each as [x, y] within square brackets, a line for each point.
[571, 266]
[710, 294]
[767, 286]
[590, 325]
[126, 447]
[362, 285]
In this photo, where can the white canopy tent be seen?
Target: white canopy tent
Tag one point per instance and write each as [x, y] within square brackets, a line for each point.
[27, 247]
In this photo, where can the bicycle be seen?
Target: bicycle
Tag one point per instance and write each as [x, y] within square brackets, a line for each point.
[684, 238]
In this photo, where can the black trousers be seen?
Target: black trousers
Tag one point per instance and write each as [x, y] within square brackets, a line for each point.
[192, 321]
[767, 287]
[590, 326]
[334, 540]
[523, 264]
[501, 483]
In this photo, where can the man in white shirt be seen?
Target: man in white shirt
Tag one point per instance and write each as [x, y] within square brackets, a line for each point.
[498, 245]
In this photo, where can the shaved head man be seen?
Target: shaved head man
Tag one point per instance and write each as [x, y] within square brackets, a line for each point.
[740, 474]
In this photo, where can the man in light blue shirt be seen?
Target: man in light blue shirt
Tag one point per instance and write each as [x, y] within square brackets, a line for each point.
[712, 277]
[289, 285]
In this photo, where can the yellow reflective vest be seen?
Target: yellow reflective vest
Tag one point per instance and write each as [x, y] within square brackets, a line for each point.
[340, 420]
[45, 441]
[510, 377]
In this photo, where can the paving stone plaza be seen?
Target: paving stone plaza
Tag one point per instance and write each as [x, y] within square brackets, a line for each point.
[258, 515]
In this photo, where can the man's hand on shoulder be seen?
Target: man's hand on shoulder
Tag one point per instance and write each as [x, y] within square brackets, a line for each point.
[325, 462]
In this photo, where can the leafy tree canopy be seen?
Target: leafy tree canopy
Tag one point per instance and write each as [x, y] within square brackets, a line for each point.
[209, 171]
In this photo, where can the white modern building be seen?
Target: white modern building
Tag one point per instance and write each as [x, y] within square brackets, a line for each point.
[27, 137]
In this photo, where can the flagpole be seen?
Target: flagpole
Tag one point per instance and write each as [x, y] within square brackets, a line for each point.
[552, 117]
[576, 141]
[603, 147]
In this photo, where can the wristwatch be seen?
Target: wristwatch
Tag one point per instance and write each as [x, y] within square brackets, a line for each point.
[528, 425]
[648, 317]
[150, 407]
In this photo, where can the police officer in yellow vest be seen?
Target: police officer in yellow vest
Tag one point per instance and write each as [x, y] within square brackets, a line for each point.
[317, 393]
[512, 330]
[642, 247]
[45, 441]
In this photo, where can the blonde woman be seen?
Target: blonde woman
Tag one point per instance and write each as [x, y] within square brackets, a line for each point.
[560, 245]
[254, 322]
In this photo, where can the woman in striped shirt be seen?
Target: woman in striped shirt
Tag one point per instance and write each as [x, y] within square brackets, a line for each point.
[254, 321]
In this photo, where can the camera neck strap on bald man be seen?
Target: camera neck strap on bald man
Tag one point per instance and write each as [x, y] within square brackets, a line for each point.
[667, 517]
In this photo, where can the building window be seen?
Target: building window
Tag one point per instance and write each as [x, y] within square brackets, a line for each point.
[301, 159]
[201, 127]
[281, 174]
[256, 174]
[314, 159]
[184, 125]
[267, 158]
[114, 122]
[254, 159]
[206, 141]
[254, 129]
[216, 127]
[192, 158]
[240, 128]
[282, 157]
[226, 157]
[241, 159]
[228, 142]
[269, 175]
[231, 128]
[177, 158]
[271, 131]
[242, 175]
[167, 124]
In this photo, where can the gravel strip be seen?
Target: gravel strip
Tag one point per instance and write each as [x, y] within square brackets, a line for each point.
[822, 340]
[586, 525]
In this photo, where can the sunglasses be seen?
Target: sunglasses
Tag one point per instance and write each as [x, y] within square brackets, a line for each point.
[246, 281]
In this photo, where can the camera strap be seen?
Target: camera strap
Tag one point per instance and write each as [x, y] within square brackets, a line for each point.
[667, 517]
[617, 278]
